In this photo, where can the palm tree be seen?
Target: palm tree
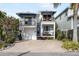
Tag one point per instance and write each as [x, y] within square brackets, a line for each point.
[74, 6]
[9, 26]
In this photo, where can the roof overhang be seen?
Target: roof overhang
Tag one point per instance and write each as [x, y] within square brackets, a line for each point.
[48, 12]
[72, 17]
[21, 14]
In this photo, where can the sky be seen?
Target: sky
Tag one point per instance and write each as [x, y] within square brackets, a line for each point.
[12, 8]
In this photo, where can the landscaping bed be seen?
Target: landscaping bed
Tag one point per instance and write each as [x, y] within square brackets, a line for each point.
[1, 45]
[70, 45]
[5, 46]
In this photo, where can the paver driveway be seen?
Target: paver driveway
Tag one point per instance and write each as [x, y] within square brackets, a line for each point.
[37, 46]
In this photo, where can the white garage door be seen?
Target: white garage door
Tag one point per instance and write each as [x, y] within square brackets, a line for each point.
[29, 34]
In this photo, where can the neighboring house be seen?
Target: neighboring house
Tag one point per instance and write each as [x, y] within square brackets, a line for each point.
[65, 22]
[33, 26]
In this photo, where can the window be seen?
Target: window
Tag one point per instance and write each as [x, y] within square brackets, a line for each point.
[66, 13]
[46, 17]
[30, 21]
[26, 22]
[46, 28]
[60, 17]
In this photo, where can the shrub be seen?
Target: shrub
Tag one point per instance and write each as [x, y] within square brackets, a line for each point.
[60, 35]
[70, 45]
[1, 45]
[65, 39]
[10, 39]
[50, 38]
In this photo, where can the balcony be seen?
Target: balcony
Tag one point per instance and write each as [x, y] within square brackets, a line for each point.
[48, 22]
[48, 30]
[27, 25]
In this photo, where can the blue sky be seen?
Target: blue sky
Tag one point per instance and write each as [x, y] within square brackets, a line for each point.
[12, 8]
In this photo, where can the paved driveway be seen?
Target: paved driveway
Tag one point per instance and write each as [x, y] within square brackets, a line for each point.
[36, 46]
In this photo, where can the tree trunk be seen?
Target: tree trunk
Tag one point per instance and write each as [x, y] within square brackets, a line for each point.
[75, 25]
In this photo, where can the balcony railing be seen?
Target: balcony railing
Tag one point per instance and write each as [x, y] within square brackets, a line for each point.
[51, 19]
[48, 33]
[29, 24]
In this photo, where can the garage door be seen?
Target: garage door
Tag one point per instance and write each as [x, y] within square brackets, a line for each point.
[29, 34]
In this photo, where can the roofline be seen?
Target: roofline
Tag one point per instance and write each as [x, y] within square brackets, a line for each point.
[49, 11]
[61, 13]
[25, 13]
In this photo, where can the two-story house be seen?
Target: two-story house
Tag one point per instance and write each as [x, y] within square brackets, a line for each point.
[28, 25]
[46, 25]
[33, 26]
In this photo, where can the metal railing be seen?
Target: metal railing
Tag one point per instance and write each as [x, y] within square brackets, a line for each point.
[51, 19]
[48, 33]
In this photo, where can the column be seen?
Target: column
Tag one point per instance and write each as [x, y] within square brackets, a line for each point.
[54, 30]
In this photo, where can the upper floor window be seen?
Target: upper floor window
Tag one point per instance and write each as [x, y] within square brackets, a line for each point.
[28, 21]
[46, 17]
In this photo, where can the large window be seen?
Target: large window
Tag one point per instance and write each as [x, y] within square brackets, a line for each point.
[48, 27]
[48, 30]
[28, 21]
[46, 17]
[66, 13]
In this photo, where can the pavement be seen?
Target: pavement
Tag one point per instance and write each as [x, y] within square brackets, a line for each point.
[52, 54]
[36, 48]
[39, 54]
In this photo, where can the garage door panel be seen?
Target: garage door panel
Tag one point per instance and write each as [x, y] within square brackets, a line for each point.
[29, 34]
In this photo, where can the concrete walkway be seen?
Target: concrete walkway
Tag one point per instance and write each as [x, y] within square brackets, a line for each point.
[36, 46]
